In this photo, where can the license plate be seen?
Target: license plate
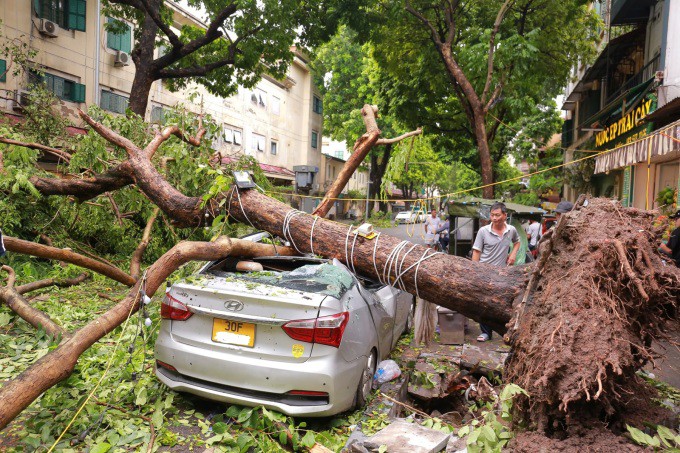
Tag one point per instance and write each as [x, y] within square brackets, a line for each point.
[233, 332]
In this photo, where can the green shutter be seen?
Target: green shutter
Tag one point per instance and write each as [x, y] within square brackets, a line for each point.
[78, 93]
[3, 70]
[126, 40]
[119, 41]
[76, 14]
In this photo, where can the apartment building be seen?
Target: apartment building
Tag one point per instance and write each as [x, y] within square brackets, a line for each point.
[624, 108]
[279, 122]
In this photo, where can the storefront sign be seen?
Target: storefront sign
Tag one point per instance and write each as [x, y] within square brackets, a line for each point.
[626, 125]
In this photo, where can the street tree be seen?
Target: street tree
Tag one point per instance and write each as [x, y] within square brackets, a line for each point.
[468, 68]
[241, 42]
[349, 76]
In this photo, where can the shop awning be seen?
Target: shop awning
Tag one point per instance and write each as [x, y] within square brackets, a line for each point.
[659, 143]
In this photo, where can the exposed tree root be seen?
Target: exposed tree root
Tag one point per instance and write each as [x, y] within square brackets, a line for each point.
[602, 295]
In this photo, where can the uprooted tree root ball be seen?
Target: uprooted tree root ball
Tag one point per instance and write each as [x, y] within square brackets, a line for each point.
[599, 295]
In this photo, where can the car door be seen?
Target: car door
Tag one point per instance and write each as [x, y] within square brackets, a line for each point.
[382, 306]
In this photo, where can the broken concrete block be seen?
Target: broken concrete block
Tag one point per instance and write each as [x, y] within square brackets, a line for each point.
[404, 437]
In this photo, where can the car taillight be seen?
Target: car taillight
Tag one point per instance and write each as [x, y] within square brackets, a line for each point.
[325, 330]
[173, 309]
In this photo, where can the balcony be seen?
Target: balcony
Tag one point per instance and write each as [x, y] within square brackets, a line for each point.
[646, 73]
[630, 11]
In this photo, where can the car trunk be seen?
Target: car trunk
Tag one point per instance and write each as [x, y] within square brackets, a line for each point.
[243, 317]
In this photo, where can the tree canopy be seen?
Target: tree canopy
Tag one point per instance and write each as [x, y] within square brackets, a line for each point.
[240, 42]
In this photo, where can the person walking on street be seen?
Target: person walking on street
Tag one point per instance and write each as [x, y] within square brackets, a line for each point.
[443, 232]
[672, 247]
[492, 245]
[431, 225]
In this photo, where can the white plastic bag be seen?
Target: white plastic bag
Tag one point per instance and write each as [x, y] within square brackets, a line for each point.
[387, 370]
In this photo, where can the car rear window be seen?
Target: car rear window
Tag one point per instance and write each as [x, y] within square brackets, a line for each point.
[317, 278]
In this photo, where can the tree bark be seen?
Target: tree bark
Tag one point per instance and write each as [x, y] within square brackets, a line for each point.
[485, 294]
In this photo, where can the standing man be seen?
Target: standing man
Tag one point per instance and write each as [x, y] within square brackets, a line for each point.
[431, 226]
[672, 248]
[492, 245]
[533, 234]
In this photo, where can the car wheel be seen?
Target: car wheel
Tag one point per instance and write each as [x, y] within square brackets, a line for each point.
[366, 380]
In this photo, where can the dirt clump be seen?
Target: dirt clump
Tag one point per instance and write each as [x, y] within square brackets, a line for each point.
[598, 296]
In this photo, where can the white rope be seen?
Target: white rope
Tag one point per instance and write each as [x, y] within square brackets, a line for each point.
[422, 258]
[390, 258]
[375, 247]
[238, 194]
[351, 254]
[286, 227]
[347, 243]
[397, 270]
[311, 234]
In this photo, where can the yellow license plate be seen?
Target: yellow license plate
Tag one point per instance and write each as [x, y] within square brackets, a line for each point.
[233, 332]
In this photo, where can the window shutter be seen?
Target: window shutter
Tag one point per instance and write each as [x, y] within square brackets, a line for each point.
[126, 40]
[78, 94]
[76, 14]
[3, 70]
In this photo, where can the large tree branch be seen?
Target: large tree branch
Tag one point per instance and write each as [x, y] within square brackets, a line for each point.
[13, 244]
[390, 141]
[169, 131]
[86, 188]
[58, 364]
[136, 260]
[13, 299]
[154, 13]
[58, 282]
[425, 21]
[194, 71]
[46, 149]
[492, 47]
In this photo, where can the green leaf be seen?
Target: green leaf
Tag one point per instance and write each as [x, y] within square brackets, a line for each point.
[141, 397]
[220, 428]
[283, 438]
[101, 448]
[308, 439]
[382, 449]
[5, 318]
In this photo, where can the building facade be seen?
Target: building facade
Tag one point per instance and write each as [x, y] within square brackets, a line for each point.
[623, 109]
[279, 123]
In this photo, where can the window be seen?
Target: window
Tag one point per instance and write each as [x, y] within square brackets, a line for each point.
[228, 135]
[273, 147]
[315, 139]
[65, 89]
[69, 14]
[157, 114]
[114, 102]
[339, 154]
[259, 98]
[317, 106]
[3, 70]
[276, 105]
[238, 137]
[119, 36]
[257, 143]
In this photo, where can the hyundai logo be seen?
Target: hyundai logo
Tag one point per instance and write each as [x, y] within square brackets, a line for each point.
[233, 305]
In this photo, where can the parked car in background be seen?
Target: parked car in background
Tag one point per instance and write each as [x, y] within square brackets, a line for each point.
[299, 335]
[410, 217]
[406, 217]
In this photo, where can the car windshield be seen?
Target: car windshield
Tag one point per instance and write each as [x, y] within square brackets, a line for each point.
[313, 278]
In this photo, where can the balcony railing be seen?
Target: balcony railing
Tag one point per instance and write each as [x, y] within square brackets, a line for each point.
[646, 73]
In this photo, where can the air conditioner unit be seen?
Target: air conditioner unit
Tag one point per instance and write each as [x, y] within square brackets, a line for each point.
[658, 76]
[21, 99]
[122, 59]
[48, 28]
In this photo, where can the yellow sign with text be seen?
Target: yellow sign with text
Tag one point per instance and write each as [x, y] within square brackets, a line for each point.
[624, 125]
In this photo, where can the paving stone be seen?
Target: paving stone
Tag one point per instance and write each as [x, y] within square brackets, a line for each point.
[404, 437]
[485, 359]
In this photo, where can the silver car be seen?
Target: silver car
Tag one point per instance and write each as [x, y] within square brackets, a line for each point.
[302, 336]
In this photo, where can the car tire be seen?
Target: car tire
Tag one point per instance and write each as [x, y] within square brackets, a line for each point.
[366, 380]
